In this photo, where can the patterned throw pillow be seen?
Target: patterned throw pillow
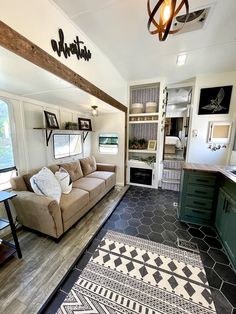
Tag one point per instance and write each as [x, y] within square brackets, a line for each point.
[64, 179]
[45, 183]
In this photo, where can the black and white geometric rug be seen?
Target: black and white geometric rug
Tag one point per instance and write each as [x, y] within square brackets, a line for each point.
[131, 275]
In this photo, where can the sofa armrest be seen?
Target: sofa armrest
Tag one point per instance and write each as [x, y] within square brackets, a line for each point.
[106, 167]
[38, 212]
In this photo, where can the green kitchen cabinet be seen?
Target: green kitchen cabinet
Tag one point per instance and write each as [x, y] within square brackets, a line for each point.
[197, 197]
[226, 223]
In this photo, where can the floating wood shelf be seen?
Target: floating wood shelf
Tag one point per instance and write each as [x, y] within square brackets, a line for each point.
[48, 133]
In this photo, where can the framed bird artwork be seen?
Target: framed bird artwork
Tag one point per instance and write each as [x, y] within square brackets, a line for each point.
[215, 100]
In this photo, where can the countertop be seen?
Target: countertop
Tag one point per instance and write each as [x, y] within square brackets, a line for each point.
[225, 170]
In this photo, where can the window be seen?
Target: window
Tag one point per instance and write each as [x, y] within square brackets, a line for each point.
[66, 145]
[7, 164]
[108, 143]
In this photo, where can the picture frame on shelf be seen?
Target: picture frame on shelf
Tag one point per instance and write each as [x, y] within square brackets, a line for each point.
[152, 144]
[51, 120]
[85, 124]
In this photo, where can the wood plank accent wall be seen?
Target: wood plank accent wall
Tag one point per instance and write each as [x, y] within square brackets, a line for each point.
[23, 47]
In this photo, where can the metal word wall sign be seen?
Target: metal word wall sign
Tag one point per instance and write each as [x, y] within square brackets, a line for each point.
[77, 47]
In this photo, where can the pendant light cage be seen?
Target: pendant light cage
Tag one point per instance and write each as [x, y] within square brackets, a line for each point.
[167, 9]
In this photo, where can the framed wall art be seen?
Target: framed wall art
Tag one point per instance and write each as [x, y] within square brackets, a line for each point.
[85, 124]
[215, 100]
[219, 132]
[51, 120]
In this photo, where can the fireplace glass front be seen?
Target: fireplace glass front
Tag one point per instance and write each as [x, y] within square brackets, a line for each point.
[141, 176]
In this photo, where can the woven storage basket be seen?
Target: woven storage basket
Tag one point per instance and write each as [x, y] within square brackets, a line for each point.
[136, 108]
[151, 107]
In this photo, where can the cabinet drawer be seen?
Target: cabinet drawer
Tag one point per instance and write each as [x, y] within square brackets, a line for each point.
[202, 179]
[199, 203]
[200, 191]
[198, 213]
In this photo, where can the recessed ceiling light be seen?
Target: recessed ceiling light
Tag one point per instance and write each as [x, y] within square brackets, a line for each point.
[181, 59]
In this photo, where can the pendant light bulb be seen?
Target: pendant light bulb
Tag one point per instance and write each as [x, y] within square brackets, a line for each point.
[94, 111]
[166, 11]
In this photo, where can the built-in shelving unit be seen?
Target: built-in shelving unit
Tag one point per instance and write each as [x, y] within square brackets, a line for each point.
[143, 164]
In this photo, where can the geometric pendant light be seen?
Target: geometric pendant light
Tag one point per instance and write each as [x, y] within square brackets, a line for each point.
[167, 10]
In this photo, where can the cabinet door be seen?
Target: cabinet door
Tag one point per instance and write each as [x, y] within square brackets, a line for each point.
[229, 238]
[220, 213]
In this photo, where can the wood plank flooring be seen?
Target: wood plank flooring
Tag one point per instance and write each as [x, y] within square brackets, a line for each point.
[27, 283]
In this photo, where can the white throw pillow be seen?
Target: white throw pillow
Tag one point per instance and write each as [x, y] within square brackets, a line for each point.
[45, 183]
[64, 179]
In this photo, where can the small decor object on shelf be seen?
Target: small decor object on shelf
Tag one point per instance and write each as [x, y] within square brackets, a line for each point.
[71, 126]
[135, 143]
[150, 160]
[152, 145]
[85, 124]
[215, 100]
[51, 120]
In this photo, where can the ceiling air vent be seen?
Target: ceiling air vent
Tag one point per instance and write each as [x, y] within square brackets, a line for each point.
[195, 21]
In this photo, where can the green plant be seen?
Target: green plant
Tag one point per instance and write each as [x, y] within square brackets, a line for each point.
[150, 161]
[135, 143]
[71, 126]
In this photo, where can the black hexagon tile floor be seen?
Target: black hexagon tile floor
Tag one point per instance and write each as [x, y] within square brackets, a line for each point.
[150, 214]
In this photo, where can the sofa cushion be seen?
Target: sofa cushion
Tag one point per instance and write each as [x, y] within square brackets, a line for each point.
[45, 183]
[28, 176]
[64, 179]
[108, 177]
[88, 165]
[92, 185]
[74, 170]
[71, 203]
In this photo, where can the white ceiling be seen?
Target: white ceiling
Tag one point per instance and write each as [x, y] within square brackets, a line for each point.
[119, 28]
[23, 78]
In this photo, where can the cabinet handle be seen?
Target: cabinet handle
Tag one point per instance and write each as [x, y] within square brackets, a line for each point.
[200, 192]
[198, 203]
[226, 207]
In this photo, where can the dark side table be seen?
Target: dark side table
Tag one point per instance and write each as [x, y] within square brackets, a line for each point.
[6, 248]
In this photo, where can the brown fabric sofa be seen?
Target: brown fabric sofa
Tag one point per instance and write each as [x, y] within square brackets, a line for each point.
[91, 181]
